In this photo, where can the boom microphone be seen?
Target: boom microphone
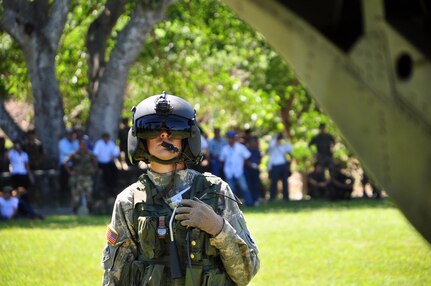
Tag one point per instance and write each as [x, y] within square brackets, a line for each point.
[170, 147]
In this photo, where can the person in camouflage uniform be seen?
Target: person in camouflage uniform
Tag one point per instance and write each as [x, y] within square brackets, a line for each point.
[81, 166]
[175, 226]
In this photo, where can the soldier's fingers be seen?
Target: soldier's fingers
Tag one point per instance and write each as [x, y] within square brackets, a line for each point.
[182, 217]
[187, 223]
[181, 210]
[188, 202]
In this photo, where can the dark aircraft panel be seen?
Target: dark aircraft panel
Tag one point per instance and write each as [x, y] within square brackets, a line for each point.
[367, 64]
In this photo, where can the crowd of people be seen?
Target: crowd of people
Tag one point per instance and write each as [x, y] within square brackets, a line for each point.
[80, 163]
[235, 157]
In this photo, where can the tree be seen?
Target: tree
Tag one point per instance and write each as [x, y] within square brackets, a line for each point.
[37, 27]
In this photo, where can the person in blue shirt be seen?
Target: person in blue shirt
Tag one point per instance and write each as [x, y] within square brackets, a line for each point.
[215, 145]
[66, 146]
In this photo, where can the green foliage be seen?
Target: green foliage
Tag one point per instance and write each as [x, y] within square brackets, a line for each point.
[300, 243]
[202, 52]
[14, 79]
[71, 61]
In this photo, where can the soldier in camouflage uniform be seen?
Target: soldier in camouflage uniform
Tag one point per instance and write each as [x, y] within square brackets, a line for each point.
[175, 226]
[81, 166]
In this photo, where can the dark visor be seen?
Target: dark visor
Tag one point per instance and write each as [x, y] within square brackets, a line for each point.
[150, 126]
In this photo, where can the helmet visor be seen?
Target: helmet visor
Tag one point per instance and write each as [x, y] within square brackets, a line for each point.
[150, 126]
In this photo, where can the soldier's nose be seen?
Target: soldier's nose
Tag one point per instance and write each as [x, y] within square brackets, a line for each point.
[164, 134]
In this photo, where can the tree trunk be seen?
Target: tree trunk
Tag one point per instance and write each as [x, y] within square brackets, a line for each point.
[284, 114]
[107, 101]
[47, 100]
[37, 27]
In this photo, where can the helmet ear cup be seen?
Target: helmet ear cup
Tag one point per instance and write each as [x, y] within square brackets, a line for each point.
[195, 141]
[136, 148]
[132, 146]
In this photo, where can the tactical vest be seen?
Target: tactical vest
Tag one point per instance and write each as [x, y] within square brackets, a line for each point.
[199, 261]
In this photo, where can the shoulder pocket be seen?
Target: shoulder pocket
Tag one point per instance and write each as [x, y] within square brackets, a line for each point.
[109, 254]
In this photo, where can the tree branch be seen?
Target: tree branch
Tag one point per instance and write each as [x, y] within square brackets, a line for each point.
[131, 38]
[57, 20]
[97, 40]
[8, 125]
[15, 15]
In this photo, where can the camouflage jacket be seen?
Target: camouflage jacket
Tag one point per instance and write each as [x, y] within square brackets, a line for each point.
[238, 252]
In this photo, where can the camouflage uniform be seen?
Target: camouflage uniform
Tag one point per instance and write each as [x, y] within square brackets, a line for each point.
[233, 246]
[82, 180]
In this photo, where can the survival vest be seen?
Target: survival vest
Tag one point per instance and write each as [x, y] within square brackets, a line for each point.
[199, 261]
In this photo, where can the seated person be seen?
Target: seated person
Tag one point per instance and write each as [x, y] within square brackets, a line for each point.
[341, 186]
[12, 206]
[377, 192]
[317, 183]
[8, 204]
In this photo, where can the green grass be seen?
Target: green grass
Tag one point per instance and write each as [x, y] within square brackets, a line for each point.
[301, 243]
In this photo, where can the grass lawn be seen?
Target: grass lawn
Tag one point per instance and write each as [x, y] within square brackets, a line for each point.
[361, 242]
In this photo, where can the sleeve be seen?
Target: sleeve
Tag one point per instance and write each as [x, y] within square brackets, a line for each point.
[116, 150]
[288, 148]
[238, 251]
[121, 247]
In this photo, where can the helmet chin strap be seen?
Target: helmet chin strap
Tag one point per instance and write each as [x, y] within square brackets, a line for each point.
[175, 160]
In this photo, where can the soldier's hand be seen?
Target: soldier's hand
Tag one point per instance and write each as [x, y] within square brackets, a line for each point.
[195, 213]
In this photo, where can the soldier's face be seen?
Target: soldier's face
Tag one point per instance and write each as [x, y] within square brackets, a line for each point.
[156, 149]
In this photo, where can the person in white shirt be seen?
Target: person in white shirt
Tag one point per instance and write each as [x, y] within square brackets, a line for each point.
[8, 204]
[278, 165]
[234, 155]
[106, 152]
[20, 170]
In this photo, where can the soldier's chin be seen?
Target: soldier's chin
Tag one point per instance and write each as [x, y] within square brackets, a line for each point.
[166, 155]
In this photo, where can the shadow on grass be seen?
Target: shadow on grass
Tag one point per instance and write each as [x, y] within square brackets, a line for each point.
[313, 205]
[71, 221]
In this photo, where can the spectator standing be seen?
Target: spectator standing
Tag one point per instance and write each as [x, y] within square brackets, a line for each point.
[252, 172]
[324, 143]
[20, 170]
[81, 173]
[234, 155]
[279, 166]
[80, 135]
[66, 146]
[215, 145]
[8, 204]
[33, 147]
[106, 152]
[123, 134]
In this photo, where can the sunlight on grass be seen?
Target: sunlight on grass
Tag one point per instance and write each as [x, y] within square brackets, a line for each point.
[300, 243]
